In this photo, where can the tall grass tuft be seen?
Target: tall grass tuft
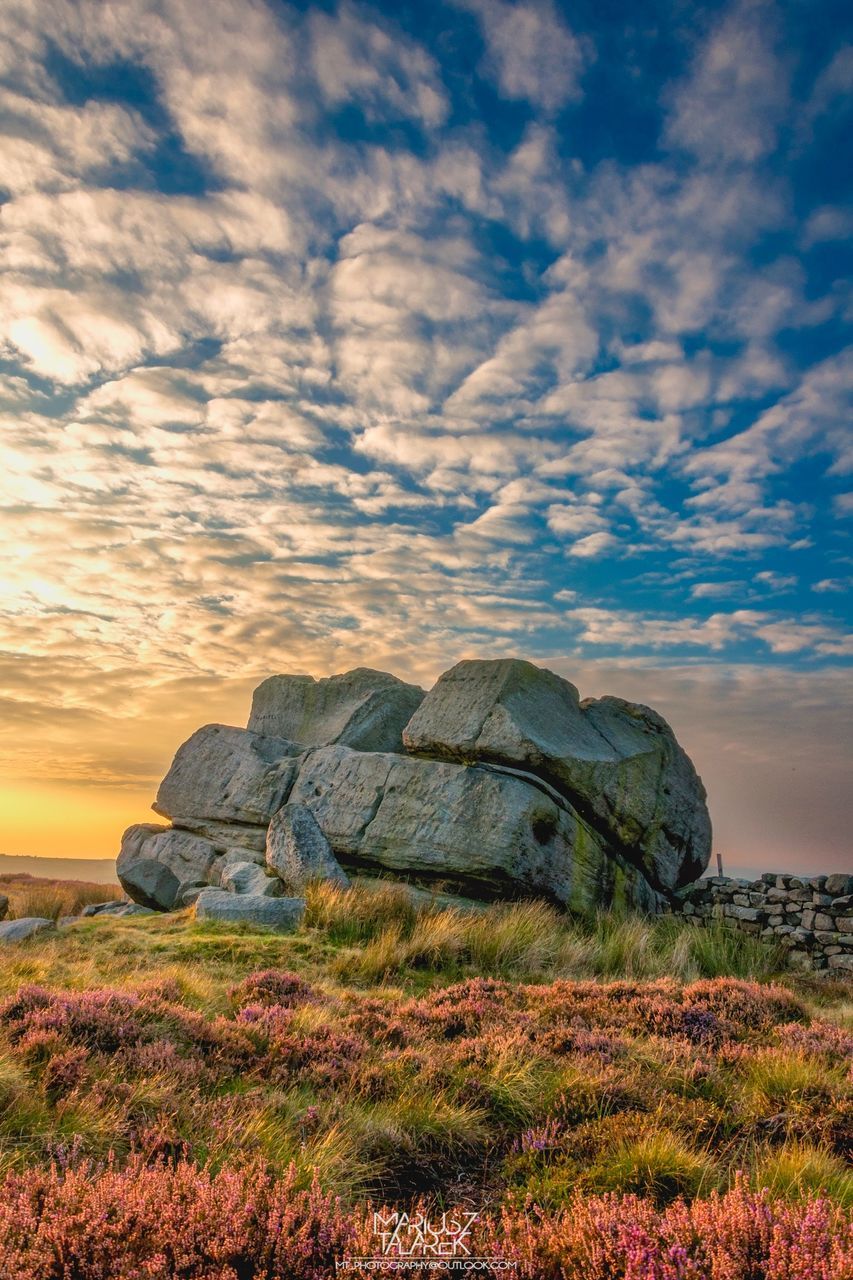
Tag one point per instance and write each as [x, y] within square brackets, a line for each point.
[798, 1170]
[51, 900]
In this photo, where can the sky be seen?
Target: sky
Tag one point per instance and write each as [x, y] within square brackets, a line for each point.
[342, 335]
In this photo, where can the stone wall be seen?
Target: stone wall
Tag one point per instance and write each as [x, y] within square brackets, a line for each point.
[811, 918]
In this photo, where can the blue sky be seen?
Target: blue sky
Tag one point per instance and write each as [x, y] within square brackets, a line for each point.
[338, 335]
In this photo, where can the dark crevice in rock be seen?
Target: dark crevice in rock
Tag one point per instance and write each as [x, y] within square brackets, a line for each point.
[498, 888]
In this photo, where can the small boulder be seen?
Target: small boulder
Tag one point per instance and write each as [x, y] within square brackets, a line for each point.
[156, 864]
[248, 877]
[363, 709]
[117, 909]
[298, 852]
[189, 897]
[4, 906]
[26, 927]
[283, 915]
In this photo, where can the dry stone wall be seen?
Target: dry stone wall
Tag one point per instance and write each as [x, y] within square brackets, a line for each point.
[811, 918]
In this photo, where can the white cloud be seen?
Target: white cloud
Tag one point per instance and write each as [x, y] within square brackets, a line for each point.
[355, 59]
[531, 53]
[594, 544]
[730, 106]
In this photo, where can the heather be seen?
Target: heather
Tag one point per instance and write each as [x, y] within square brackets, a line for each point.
[161, 1221]
[388, 1054]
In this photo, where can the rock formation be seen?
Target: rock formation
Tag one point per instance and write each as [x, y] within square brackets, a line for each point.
[498, 783]
[363, 709]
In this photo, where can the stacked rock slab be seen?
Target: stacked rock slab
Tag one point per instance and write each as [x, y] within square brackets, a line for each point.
[363, 709]
[499, 783]
[225, 783]
[810, 919]
[616, 763]
[486, 834]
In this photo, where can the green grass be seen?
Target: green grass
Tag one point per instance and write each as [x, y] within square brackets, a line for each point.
[798, 1170]
[551, 1087]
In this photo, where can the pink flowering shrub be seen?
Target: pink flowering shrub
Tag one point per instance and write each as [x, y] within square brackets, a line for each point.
[270, 987]
[120, 1023]
[535, 1089]
[158, 1222]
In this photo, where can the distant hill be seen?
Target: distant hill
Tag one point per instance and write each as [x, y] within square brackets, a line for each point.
[94, 870]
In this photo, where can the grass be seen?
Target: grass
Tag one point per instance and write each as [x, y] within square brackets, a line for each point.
[660, 1164]
[512, 1053]
[799, 1170]
[381, 936]
[50, 899]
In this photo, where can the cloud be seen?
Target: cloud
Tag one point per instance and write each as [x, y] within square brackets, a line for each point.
[356, 59]
[530, 52]
[730, 106]
[309, 363]
[594, 544]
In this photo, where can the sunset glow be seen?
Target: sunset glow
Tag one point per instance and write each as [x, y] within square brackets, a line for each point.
[387, 335]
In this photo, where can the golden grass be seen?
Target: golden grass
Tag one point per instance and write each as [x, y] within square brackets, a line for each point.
[31, 896]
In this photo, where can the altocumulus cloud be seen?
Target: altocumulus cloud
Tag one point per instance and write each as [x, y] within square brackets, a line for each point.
[346, 334]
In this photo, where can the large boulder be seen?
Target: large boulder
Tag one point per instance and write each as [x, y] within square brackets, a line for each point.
[298, 852]
[222, 775]
[157, 864]
[280, 914]
[618, 764]
[363, 709]
[480, 832]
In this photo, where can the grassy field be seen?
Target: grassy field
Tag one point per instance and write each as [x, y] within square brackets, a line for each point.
[511, 1061]
[51, 898]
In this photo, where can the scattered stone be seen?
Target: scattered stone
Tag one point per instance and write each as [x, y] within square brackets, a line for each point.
[4, 906]
[26, 927]
[298, 852]
[114, 908]
[248, 877]
[190, 896]
[283, 915]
